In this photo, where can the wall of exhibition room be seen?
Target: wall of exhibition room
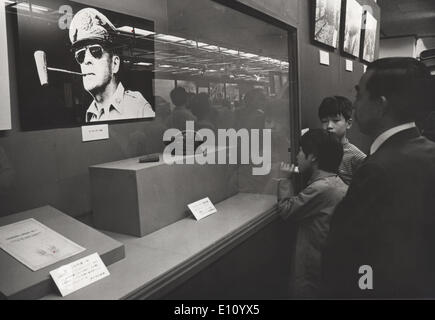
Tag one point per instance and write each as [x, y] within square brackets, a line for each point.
[51, 166]
[405, 46]
[398, 47]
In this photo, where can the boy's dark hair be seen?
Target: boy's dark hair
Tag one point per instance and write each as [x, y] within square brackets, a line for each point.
[325, 146]
[178, 96]
[335, 105]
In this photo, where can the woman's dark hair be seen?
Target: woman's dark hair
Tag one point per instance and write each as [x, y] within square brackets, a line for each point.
[325, 146]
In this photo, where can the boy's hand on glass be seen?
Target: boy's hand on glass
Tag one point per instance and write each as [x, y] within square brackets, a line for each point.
[287, 168]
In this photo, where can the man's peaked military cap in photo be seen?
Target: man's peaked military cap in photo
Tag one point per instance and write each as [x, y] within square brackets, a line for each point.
[89, 24]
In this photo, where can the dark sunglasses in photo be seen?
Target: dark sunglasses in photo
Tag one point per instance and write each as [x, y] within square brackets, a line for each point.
[95, 50]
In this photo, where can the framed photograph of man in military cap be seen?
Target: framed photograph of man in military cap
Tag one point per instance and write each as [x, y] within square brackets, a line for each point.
[78, 64]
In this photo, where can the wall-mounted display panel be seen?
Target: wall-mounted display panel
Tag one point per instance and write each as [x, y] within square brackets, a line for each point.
[76, 64]
[352, 28]
[327, 15]
[369, 47]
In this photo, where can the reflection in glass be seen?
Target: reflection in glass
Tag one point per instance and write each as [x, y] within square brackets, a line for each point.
[236, 69]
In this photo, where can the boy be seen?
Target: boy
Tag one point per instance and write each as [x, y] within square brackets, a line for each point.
[335, 113]
[319, 158]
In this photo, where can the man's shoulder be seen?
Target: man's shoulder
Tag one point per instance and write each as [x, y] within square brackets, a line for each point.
[406, 151]
[135, 97]
[137, 104]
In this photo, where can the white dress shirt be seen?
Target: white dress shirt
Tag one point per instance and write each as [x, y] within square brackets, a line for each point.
[389, 133]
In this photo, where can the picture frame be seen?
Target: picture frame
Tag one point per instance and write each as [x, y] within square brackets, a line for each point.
[326, 22]
[370, 32]
[55, 90]
[353, 15]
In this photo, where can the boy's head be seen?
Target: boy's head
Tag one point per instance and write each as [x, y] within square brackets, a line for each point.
[319, 149]
[335, 113]
[179, 96]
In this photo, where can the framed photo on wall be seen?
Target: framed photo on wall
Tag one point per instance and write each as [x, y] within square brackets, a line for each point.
[371, 28]
[78, 64]
[327, 15]
[352, 28]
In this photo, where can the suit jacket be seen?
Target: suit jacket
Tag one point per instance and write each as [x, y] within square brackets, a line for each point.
[386, 221]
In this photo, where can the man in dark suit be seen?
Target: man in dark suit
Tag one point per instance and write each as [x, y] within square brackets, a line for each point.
[382, 238]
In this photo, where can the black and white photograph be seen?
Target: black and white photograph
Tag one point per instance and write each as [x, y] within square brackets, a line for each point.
[371, 28]
[83, 65]
[202, 156]
[352, 28]
[327, 22]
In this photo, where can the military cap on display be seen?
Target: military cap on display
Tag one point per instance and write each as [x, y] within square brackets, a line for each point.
[90, 24]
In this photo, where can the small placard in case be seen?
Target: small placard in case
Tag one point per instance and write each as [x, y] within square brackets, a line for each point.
[79, 274]
[202, 208]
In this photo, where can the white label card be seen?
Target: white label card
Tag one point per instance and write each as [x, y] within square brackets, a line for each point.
[324, 57]
[96, 132]
[202, 208]
[349, 65]
[79, 274]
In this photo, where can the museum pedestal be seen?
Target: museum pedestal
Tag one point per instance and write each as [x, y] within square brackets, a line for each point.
[135, 198]
[17, 281]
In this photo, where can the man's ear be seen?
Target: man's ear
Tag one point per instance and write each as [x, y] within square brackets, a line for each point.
[116, 62]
